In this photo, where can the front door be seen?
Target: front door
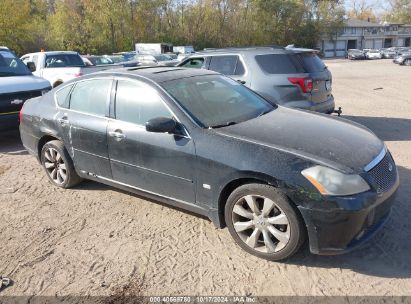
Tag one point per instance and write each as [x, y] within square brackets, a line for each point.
[159, 163]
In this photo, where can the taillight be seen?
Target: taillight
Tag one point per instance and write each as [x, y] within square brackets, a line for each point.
[305, 83]
[21, 115]
[78, 74]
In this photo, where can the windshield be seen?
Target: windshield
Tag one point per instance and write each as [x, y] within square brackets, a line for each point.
[311, 62]
[97, 60]
[64, 60]
[10, 65]
[217, 101]
[117, 59]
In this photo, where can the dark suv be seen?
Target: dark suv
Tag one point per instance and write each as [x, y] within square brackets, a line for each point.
[290, 77]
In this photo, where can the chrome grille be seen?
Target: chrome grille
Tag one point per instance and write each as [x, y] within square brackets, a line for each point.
[382, 177]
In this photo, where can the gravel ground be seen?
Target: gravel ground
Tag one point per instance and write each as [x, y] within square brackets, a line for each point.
[97, 240]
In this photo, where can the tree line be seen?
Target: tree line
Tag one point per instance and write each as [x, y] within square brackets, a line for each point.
[107, 26]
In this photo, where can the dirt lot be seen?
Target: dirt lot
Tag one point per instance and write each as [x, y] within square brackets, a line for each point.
[96, 240]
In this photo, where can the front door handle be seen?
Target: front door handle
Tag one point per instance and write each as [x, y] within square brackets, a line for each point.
[117, 134]
[241, 81]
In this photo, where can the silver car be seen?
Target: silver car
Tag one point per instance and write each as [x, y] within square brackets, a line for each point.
[159, 59]
[292, 77]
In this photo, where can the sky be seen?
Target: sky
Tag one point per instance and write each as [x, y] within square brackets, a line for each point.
[378, 6]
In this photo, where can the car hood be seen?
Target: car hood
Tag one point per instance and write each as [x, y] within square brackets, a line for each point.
[331, 141]
[22, 83]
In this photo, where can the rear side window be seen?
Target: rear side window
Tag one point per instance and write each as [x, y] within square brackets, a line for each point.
[311, 62]
[227, 65]
[91, 96]
[62, 96]
[138, 103]
[279, 64]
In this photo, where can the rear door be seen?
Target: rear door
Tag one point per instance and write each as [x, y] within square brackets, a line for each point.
[321, 76]
[85, 124]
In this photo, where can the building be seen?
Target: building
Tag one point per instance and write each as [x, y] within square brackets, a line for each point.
[359, 34]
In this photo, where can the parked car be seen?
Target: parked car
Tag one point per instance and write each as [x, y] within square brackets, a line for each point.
[355, 54]
[201, 141]
[17, 84]
[158, 59]
[374, 54]
[399, 58]
[59, 67]
[388, 53]
[292, 77]
[403, 59]
[97, 60]
[125, 61]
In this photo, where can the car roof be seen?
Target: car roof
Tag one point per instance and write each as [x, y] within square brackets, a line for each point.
[257, 50]
[252, 50]
[159, 73]
[54, 53]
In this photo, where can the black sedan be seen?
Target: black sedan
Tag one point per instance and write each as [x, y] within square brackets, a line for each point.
[203, 142]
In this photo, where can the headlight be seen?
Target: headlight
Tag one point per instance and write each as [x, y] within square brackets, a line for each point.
[332, 182]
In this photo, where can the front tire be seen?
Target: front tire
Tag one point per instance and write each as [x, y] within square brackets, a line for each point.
[407, 62]
[263, 222]
[58, 165]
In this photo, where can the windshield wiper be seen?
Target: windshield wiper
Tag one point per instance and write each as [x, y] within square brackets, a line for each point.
[229, 123]
[264, 112]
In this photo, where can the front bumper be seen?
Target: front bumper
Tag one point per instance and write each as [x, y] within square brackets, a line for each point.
[353, 221]
[9, 121]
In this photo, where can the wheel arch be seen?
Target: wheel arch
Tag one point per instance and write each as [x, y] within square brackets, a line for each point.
[43, 140]
[235, 182]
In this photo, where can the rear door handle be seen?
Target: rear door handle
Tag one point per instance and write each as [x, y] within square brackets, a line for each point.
[117, 134]
[63, 120]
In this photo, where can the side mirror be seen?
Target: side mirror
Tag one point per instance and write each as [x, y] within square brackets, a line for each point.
[161, 125]
[31, 65]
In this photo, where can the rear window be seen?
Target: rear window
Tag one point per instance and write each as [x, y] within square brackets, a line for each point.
[311, 62]
[64, 60]
[279, 63]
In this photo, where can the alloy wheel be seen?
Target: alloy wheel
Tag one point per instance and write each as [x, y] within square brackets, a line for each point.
[55, 166]
[261, 224]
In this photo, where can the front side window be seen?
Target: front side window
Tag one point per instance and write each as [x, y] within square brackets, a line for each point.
[217, 101]
[196, 63]
[91, 96]
[138, 103]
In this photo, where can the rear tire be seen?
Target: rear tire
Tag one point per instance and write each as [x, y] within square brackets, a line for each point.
[58, 165]
[263, 222]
